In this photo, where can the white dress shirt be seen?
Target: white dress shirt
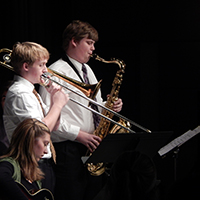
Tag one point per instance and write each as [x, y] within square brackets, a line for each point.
[21, 103]
[73, 116]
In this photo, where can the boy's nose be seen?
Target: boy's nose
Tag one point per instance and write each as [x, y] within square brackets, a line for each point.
[45, 69]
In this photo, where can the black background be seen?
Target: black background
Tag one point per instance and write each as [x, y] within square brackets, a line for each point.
[158, 41]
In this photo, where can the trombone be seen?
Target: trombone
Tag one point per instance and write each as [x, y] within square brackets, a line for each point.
[89, 90]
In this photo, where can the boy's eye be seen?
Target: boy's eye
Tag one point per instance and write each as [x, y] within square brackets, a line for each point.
[90, 42]
[46, 143]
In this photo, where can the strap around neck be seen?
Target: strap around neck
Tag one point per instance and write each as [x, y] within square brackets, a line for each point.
[66, 59]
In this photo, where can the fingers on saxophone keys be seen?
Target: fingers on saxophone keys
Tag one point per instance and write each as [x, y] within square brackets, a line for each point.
[94, 143]
[90, 149]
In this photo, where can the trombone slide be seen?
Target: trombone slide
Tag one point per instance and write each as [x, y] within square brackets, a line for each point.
[98, 104]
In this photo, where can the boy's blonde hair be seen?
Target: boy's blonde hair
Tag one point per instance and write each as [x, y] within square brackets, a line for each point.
[27, 52]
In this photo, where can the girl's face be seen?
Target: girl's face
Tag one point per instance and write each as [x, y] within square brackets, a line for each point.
[40, 145]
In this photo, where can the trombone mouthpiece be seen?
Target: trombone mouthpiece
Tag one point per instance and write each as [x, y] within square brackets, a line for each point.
[44, 76]
[45, 81]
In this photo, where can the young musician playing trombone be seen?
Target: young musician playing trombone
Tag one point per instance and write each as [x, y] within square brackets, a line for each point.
[76, 135]
[29, 60]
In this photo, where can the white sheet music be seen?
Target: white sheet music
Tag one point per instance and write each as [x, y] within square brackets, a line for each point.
[179, 141]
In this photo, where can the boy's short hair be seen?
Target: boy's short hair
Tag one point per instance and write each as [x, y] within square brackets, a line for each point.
[78, 30]
[27, 52]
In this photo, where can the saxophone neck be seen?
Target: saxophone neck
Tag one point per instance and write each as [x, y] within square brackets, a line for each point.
[119, 62]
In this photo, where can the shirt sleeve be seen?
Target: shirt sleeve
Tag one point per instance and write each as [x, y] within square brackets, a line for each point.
[71, 131]
[9, 188]
[65, 130]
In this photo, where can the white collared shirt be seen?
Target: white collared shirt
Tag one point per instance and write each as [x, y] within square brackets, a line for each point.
[73, 116]
[21, 103]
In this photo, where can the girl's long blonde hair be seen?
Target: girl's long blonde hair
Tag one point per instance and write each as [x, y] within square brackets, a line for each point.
[21, 147]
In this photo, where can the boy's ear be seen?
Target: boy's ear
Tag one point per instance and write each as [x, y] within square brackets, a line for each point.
[74, 42]
[25, 66]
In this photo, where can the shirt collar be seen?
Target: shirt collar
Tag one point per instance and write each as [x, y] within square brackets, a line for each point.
[24, 81]
[77, 64]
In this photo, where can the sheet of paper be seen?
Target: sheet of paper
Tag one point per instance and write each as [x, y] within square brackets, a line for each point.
[179, 141]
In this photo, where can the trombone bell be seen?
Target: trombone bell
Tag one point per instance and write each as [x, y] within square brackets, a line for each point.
[89, 90]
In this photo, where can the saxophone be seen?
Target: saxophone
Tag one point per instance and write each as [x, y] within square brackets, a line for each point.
[103, 129]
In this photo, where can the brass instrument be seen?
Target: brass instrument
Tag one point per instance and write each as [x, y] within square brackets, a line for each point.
[87, 89]
[103, 128]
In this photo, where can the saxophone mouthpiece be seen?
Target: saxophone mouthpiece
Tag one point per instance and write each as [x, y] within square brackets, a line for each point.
[94, 55]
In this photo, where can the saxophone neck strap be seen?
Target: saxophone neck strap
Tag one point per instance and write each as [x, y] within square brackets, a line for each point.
[66, 59]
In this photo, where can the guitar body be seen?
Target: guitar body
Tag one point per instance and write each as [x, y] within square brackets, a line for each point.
[42, 194]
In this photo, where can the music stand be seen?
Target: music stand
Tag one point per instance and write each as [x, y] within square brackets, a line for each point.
[150, 143]
[174, 146]
[115, 144]
[111, 147]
